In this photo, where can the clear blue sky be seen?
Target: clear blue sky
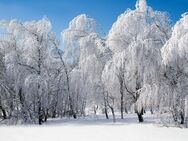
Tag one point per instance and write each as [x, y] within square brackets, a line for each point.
[60, 12]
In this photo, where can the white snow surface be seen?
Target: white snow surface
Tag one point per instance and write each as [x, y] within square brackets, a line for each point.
[97, 129]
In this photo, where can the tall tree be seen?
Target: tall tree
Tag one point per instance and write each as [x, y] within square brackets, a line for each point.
[28, 48]
[140, 34]
[175, 58]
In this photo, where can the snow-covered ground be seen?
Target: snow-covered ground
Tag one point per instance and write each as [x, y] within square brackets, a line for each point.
[97, 129]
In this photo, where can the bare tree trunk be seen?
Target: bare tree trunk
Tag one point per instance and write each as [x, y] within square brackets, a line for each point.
[122, 109]
[71, 112]
[54, 112]
[126, 111]
[4, 113]
[113, 114]
[186, 122]
[3, 110]
[139, 113]
[106, 99]
[23, 104]
[106, 110]
[83, 109]
[40, 114]
[106, 113]
[140, 117]
[46, 116]
[182, 118]
[121, 81]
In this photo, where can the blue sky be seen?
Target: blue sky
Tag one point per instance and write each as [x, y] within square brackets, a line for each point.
[61, 12]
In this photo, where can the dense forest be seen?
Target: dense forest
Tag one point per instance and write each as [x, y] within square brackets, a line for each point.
[140, 66]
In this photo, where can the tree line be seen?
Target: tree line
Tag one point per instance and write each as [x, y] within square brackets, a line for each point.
[142, 64]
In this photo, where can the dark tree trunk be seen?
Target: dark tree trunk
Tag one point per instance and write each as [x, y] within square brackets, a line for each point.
[122, 109]
[113, 114]
[83, 109]
[54, 110]
[105, 108]
[46, 116]
[186, 122]
[74, 116]
[40, 119]
[106, 111]
[144, 111]
[72, 112]
[182, 118]
[126, 111]
[140, 117]
[3, 110]
[54, 114]
[23, 105]
[4, 113]
[174, 115]
[121, 82]
[40, 113]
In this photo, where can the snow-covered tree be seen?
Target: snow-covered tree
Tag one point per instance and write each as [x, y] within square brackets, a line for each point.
[28, 59]
[186, 111]
[85, 53]
[136, 38]
[143, 23]
[81, 26]
[2, 87]
[175, 56]
[140, 65]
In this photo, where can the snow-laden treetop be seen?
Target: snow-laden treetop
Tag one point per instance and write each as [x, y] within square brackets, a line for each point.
[79, 28]
[176, 48]
[82, 23]
[142, 23]
[141, 5]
